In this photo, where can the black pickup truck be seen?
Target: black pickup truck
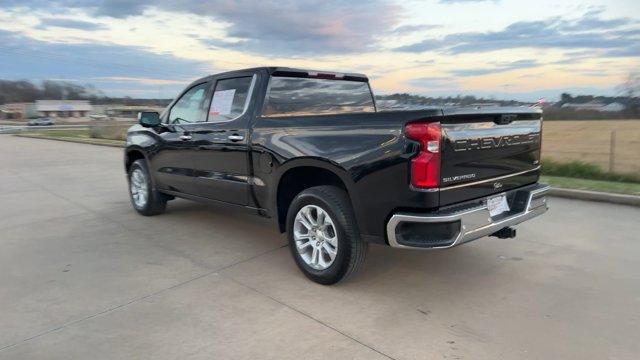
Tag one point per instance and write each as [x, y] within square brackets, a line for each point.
[310, 150]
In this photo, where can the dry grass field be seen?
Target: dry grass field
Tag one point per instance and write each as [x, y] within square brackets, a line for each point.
[591, 142]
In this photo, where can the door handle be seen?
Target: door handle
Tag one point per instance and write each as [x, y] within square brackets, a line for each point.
[235, 137]
[185, 137]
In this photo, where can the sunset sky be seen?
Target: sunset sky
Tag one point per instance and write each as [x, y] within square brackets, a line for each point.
[505, 49]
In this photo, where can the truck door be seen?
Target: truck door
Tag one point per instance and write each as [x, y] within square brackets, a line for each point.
[172, 162]
[222, 157]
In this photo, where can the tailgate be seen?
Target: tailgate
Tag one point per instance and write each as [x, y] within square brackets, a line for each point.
[488, 151]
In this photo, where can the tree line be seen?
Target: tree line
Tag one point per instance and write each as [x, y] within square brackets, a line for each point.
[25, 91]
[12, 91]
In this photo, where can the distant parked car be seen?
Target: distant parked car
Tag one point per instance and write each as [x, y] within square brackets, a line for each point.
[99, 117]
[41, 122]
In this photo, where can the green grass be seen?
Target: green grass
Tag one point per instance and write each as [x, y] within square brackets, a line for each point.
[73, 136]
[593, 185]
[582, 170]
[83, 133]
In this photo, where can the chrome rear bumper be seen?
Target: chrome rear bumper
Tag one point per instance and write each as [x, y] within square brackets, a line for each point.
[455, 227]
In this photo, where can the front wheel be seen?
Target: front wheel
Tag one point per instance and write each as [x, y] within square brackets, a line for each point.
[144, 197]
[323, 235]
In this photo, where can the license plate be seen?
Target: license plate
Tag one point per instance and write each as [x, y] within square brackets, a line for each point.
[497, 205]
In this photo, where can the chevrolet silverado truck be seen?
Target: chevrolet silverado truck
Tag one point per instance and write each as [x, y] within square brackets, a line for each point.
[309, 150]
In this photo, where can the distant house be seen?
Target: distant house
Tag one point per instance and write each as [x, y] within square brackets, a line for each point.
[596, 106]
[63, 108]
[18, 111]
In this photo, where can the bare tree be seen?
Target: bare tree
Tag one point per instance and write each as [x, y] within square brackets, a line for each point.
[631, 87]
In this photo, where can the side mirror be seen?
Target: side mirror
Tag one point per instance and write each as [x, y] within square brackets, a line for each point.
[149, 118]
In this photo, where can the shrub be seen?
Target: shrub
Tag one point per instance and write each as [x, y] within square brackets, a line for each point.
[109, 131]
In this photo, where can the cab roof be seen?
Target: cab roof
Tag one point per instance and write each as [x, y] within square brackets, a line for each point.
[303, 73]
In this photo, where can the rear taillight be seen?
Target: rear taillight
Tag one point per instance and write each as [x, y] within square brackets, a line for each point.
[425, 168]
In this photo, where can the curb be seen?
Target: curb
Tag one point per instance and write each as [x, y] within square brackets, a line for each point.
[622, 199]
[79, 141]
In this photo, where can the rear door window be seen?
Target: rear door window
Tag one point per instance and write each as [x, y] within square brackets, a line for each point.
[290, 96]
[230, 99]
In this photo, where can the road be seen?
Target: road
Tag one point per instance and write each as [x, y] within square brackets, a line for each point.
[82, 276]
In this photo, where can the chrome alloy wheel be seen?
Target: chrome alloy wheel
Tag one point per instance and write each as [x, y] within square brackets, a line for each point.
[139, 188]
[316, 237]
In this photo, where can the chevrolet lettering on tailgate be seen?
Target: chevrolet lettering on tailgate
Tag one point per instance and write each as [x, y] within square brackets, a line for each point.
[494, 142]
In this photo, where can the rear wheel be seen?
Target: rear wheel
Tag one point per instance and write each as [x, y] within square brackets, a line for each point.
[323, 236]
[144, 197]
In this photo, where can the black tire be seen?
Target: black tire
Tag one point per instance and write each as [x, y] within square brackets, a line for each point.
[156, 202]
[351, 249]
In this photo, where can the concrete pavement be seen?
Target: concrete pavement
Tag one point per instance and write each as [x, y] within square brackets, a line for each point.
[83, 276]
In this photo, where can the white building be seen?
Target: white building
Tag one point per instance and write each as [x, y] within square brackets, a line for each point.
[63, 108]
[592, 105]
[596, 106]
[613, 107]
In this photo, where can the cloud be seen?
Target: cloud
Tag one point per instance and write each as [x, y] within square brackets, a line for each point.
[591, 21]
[463, 1]
[497, 68]
[422, 46]
[280, 27]
[425, 62]
[23, 57]
[115, 8]
[574, 57]
[631, 51]
[434, 83]
[593, 72]
[140, 80]
[588, 32]
[306, 32]
[111, 8]
[215, 43]
[305, 27]
[70, 24]
[408, 29]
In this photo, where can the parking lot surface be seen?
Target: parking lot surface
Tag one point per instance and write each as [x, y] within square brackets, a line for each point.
[82, 276]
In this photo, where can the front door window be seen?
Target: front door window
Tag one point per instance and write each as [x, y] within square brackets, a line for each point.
[190, 107]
